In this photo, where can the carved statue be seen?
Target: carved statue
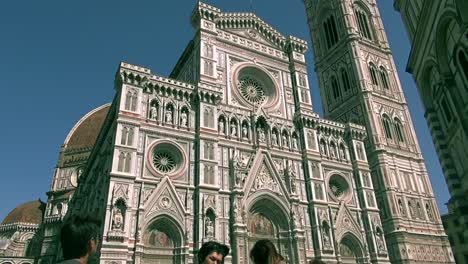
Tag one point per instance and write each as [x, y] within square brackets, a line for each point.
[153, 113]
[285, 141]
[221, 126]
[184, 119]
[292, 178]
[342, 152]
[380, 243]
[333, 151]
[326, 238]
[209, 228]
[274, 139]
[233, 130]
[261, 135]
[294, 143]
[117, 221]
[245, 131]
[169, 116]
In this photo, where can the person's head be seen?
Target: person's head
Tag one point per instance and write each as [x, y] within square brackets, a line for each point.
[212, 253]
[264, 252]
[79, 237]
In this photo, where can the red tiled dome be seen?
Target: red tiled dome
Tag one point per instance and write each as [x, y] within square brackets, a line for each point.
[86, 131]
[30, 212]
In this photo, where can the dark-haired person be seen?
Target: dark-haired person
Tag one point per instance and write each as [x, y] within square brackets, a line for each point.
[212, 253]
[264, 252]
[79, 238]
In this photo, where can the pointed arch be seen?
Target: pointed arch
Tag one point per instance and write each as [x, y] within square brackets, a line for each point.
[373, 73]
[384, 78]
[364, 20]
[345, 79]
[399, 129]
[335, 87]
[386, 126]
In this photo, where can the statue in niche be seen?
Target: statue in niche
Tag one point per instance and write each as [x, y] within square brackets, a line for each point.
[233, 130]
[333, 151]
[153, 113]
[318, 191]
[221, 126]
[294, 143]
[322, 148]
[326, 238]
[261, 135]
[274, 139]
[429, 212]
[342, 153]
[245, 131]
[285, 140]
[117, 221]
[380, 242]
[294, 215]
[184, 119]
[366, 179]
[169, 116]
[292, 178]
[209, 228]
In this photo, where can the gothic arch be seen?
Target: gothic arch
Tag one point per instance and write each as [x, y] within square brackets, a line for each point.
[351, 249]
[163, 239]
[443, 55]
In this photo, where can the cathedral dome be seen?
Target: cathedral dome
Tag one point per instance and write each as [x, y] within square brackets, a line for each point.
[86, 130]
[30, 212]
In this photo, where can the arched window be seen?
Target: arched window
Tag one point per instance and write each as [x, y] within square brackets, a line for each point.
[386, 126]
[120, 166]
[373, 74]
[345, 80]
[399, 130]
[331, 32]
[128, 161]
[363, 23]
[463, 60]
[123, 139]
[335, 87]
[384, 78]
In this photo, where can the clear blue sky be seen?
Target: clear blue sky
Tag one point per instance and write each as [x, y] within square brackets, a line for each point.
[58, 60]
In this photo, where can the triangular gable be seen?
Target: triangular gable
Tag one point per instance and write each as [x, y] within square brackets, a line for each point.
[345, 222]
[165, 200]
[252, 34]
[252, 27]
[263, 176]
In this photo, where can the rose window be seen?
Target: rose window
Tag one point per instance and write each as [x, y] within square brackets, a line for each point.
[166, 158]
[255, 86]
[163, 161]
[338, 186]
[252, 90]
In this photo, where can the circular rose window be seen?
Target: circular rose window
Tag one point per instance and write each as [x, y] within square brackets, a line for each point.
[339, 187]
[255, 86]
[166, 158]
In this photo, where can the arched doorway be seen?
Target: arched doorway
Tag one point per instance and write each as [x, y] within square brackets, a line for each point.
[350, 250]
[163, 242]
[268, 221]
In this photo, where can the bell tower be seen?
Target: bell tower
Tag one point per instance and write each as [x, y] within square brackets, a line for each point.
[359, 83]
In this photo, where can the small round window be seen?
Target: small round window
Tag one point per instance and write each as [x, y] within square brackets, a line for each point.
[339, 187]
[166, 158]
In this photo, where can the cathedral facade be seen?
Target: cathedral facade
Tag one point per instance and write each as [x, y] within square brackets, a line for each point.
[228, 148]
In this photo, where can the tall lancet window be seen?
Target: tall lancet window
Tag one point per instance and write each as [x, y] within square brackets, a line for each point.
[335, 87]
[373, 74]
[384, 78]
[399, 130]
[331, 32]
[363, 23]
[386, 126]
[345, 80]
